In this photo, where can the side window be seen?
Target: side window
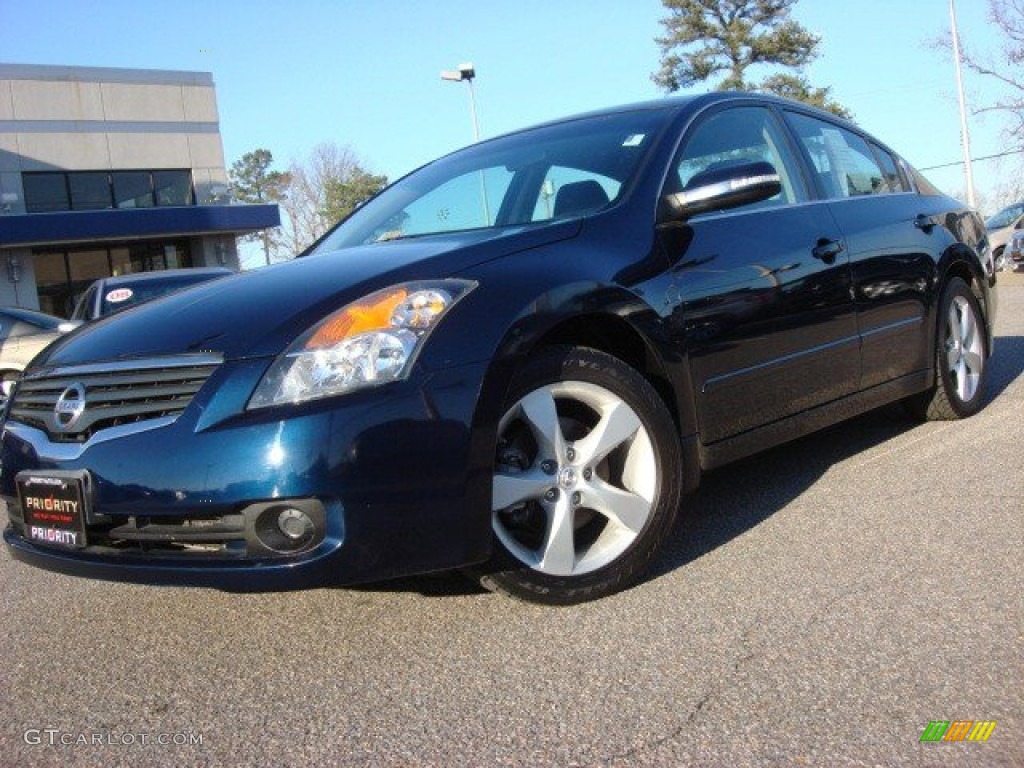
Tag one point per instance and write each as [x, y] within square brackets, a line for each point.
[733, 136]
[570, 191]
[894, 180]
[923, 186]
[843, 161]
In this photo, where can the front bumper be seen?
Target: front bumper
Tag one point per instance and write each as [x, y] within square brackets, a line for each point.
[390, 472]
[317, 569]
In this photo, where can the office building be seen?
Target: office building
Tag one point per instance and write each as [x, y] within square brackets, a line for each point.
[108, 172]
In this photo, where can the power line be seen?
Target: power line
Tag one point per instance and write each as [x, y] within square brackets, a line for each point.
[973, 159]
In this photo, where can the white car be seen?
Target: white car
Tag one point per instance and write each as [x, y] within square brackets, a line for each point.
[1001, 228]
[1015, 252]
[23, 334]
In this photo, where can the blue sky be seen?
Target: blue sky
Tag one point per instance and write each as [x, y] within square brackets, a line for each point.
[294, 73]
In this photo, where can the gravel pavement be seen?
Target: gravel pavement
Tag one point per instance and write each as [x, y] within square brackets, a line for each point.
[819, 605]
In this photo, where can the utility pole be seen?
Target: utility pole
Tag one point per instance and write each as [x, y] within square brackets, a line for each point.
[965, 136]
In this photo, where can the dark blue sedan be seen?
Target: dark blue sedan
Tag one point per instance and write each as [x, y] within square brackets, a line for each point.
[515, 361]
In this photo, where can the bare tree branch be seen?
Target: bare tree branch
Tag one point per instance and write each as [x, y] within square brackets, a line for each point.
[1008, 18]
[310, 200]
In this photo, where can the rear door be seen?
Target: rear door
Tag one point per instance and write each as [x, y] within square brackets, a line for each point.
[766, 311]
[892, 248]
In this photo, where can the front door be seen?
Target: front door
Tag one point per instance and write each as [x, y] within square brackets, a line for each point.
[766, 311]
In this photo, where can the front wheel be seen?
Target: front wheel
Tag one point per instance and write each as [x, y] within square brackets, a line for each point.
[960, 358]
[586, 479]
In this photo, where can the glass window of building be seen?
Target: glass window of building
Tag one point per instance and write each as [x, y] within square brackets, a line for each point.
[98, 190]
[132, 189]
[86, 267]
[45, 192]
[172, 187]
[89, 191]
[121, 261]
[51, 282]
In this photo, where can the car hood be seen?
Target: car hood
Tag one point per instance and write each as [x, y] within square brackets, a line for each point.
[257, 314]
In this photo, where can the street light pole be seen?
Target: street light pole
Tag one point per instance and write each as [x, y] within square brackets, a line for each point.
[466, 73]
[965, 135]
[472, 109]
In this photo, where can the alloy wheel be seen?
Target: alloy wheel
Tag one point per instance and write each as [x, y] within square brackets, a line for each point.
[575, 478]
[965, 353]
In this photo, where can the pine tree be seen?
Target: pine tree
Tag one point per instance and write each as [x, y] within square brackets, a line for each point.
[705, 39]
[252, 181]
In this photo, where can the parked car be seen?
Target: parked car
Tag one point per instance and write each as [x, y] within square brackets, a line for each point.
[116, 294]
[1015, 251]
[23, 334]
[1001, 228]
[515, 360]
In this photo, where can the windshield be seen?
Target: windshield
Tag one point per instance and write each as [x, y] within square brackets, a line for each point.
[1005, 217]
[557, 171]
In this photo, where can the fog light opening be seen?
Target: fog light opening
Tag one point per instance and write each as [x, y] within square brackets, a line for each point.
[283, 528]
[294, 523]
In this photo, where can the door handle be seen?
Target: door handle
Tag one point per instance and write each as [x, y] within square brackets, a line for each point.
[827, 250]
[924, 223]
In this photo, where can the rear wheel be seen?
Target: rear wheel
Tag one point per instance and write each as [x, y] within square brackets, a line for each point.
[960, 358]
[586, 479]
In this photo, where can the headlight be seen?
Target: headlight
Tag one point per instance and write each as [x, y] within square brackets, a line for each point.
[370, 342]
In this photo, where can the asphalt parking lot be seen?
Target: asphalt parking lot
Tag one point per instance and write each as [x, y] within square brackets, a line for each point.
[820, 604]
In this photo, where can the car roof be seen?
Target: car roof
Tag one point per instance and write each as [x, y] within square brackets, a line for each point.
[145, 277]
[691, 102]
[667, 103]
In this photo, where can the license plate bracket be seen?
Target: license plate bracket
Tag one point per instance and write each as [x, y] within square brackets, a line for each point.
[53, 506]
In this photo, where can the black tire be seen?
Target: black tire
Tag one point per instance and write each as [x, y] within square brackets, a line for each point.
[961, 359]
[633, 486]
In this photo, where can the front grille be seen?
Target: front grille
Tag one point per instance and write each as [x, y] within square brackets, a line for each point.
[223, 536]
[246, 533]
[118, 393]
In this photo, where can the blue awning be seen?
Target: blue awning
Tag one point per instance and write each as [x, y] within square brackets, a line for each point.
[134, 223]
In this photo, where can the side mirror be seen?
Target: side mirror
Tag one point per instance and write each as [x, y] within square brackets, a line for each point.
[723, 188]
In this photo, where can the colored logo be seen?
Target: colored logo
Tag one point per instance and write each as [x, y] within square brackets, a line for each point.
[958, 730]
[118, 295]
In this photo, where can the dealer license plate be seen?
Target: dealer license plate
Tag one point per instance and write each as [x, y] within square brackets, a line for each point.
[53, 508]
